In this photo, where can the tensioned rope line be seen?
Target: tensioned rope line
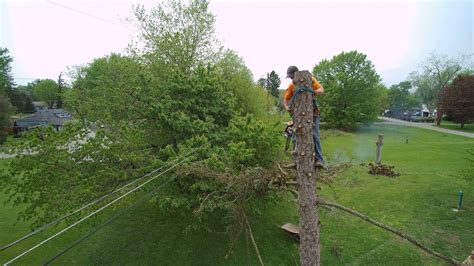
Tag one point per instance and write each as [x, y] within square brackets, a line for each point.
[93, 213]
[97, 200]
[112, 219]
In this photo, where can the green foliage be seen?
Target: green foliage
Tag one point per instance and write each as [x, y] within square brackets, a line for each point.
[237, 78]
[109, 90]
[47, 91]
[136, 113]
[6, 78]
[28, 107]
[418, 202]
[5, 111]
[351, 89]
[438, 71]
[57, 171]
[273, 83]
[28, 88]
[6, 85]
[61, 88]
[194, 104]
[400, 99]
[21, 101]
[179, 35]
[252, 142]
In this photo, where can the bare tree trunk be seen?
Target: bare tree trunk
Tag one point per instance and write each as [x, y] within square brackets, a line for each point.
[305, 154]
[438, 118]
[379, 143]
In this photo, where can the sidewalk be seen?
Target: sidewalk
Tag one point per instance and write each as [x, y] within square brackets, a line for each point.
[429, 126]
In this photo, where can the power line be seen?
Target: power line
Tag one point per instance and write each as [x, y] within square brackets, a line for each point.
[92, 214]
[115, 217]
[89, 15]
[97, 200]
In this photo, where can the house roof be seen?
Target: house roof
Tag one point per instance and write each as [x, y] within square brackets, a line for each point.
[55, 117]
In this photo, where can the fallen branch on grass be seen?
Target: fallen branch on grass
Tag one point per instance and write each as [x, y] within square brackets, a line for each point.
[390, 229]
[253, 241]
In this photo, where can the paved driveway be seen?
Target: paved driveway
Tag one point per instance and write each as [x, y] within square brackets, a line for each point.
[429, 126]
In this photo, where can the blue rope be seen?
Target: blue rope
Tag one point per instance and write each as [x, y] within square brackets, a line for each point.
[297, 92]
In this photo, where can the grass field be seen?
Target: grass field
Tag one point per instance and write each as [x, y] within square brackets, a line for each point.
[453, 126]
[432, 169]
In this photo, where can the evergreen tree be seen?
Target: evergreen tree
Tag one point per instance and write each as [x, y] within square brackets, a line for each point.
[29, 107]
[61, 87]
[273, 83]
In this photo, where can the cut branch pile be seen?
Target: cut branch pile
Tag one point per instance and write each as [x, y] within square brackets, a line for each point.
[382, 169]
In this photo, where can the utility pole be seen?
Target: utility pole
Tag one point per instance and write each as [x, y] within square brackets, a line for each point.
[305, 154]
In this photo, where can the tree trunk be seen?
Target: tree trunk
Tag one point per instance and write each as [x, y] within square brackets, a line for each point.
[379, 143]
[438, 119]
[305, 156]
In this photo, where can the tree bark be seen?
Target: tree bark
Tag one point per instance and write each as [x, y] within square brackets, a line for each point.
[379, 143]
[305, 154]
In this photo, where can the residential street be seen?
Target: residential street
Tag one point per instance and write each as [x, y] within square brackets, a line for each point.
[429, 126]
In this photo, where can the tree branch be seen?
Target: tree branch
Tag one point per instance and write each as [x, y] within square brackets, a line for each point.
[390, 229]
[253, 240]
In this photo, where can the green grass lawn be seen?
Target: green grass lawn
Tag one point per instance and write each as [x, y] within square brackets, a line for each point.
[454, 126]
[419, 202]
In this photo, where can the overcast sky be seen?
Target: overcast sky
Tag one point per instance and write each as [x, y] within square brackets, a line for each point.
[44, 37]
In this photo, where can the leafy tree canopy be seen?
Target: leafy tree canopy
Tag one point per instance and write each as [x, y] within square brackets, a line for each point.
[400, 99]
[178, 35]
[437, 72]
[46, 90]
[457, 100]
[351, 89]
[135, 113]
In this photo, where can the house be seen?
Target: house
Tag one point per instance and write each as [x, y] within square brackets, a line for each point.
[418, 114]
[42, 118]
[39, 105]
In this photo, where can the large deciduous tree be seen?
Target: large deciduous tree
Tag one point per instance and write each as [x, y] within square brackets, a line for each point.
[457, 100]
[437, 72]
[46, 90]
[400, 99]
[352, 91]
[178, 35]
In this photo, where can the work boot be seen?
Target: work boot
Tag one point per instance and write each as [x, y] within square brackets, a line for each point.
[319, 165]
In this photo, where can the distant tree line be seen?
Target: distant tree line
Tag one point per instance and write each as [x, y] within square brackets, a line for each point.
[16, 99]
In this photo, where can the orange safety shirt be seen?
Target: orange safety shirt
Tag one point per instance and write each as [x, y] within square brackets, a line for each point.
[290, 91]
